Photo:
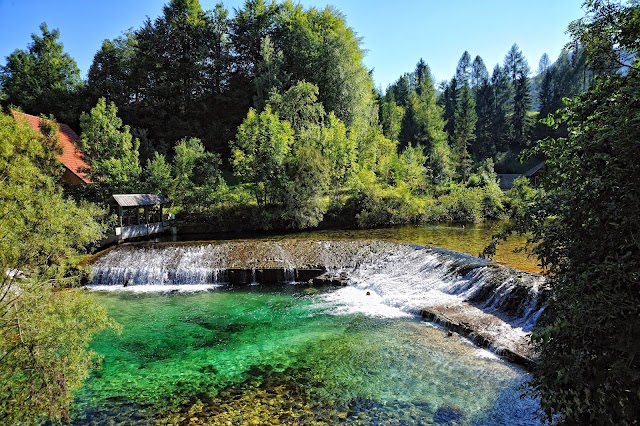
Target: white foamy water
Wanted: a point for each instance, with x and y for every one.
(501, 303)
(407, 282)
(404, 282)
(352, 300)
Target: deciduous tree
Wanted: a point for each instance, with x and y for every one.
(43, 79)
(44, 334)
(260, 151)
(110, 150)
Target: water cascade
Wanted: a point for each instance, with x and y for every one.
(494, 305)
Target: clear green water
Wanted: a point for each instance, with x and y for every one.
(279, 355)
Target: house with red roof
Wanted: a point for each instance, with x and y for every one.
(71, 155)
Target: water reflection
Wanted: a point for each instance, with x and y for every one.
(468, 238)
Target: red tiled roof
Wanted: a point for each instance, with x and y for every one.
(68, 140)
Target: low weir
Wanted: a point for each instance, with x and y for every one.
(493, 305)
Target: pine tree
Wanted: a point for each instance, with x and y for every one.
(479, 75)
(484, 145)
(545, 96)
(500, 101)
(520, 121)
(449, 101)
(421, 71)
(464, 132)
(515, 64)
(463, 70)
(422, 123)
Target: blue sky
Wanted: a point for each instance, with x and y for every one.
(395, 34)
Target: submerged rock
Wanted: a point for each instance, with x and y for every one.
(448, 414)
(329, 278)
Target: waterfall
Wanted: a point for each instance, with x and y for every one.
(168, 265)
(501, 304)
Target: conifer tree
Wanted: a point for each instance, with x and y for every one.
(501, 92)
(421, 71)
(515, 64)
(463, 70)
(422, 123)
(520, 121)
(464, 131)
(449, 101)
(484, 145)
(479, 75)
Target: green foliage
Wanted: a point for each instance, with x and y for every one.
(197, 176)
(391, 117)
(422, 121)
(500, 105)
(520, 119)
(270, 75)
(584, 231)
(462, 204)
(484, 144)
(110, 150)
(339, 149)
(259, 153)
(486, 173)
(112, 69)
(43, 79)
(409, 169)
(303, 204)
(195, 73)
(157, 174)
(608, 32)
(567, 77)
(383, 205)
(320, 48)
(299, 106)
(522, 197)
(440, 163)
(465, 119)
(44, 334)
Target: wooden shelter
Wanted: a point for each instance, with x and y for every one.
(139, 215)
(533, 174)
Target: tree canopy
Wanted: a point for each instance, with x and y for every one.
(44, 334)
(43, 79)
(584, 231)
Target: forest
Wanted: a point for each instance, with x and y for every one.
(267, 119)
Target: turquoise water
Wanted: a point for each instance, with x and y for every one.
(285, 355)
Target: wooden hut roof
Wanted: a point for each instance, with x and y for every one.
(71, 156)
(535, 169)
(137, 200)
